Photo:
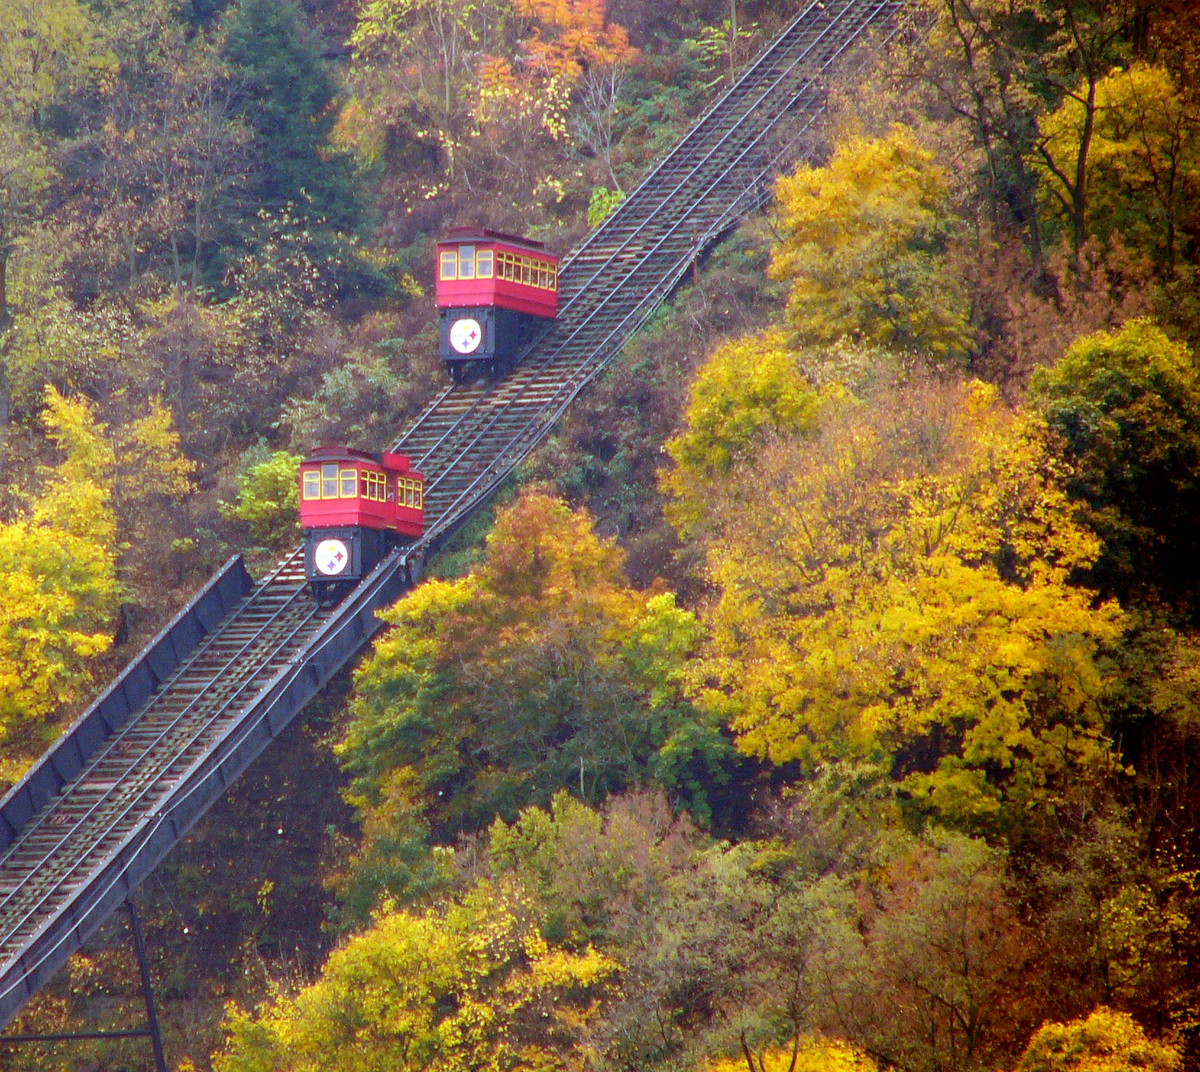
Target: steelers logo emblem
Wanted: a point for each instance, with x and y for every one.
(331, 557)
(466, 335)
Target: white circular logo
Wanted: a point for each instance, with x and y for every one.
(466, 335)
(331, 557)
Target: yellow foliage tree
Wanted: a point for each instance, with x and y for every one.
(861, 245)
(1105, 1041)
(900, 591)
(748, 391)
(58, 588)
(1142, 162)
(140, 464)
(472, 986)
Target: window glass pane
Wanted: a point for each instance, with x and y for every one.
(329, 481)
(466, 262)
(312, 484)
(349, 484)
(483, 264)
(449, 269)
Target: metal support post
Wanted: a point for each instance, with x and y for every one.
(160, 1061)
(151, 1031)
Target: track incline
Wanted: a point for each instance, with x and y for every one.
(473, 435)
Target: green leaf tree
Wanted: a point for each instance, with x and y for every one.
(542, 670)
(288, 98)
(1126, 406)
(268, 499)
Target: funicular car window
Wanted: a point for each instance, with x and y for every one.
(410, 492)
(466, 262)
(374, 486)
(329, 481)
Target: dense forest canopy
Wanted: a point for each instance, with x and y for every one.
(820, 696)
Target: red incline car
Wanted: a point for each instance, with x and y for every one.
(355, 507)
(495, 293)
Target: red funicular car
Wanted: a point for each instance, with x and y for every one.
(355, 507)
(495, 293)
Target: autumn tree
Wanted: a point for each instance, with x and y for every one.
(932, 972)
(747, 392)
(49, 51)
(901, 591)
(861, 242)
(141, 468)
(810, 1054)
(569, 37)
(1000, 67)
(541, 670)
(1142, 167)
(173, 152)
(733, 955)
(1104, 1041)
(414, 70)
(472, 984)
(1082, 43)
(58, 561)
(1126, 408)
(565, 80)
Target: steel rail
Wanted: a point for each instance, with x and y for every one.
(652, 182)
(122, 735)
(194, 793)
(138, 777)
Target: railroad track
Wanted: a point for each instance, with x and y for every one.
(72, 854)
(141, 764)
(472, 436)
